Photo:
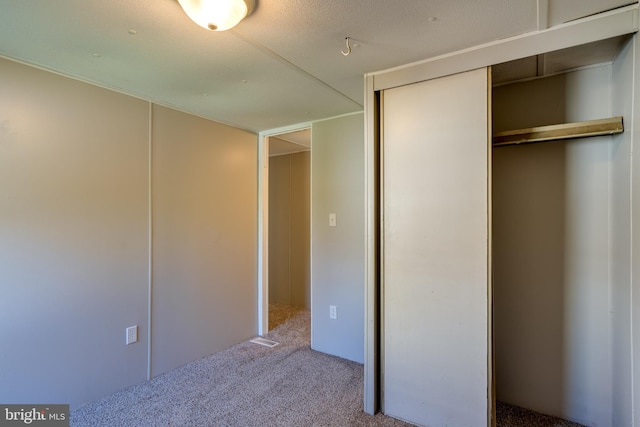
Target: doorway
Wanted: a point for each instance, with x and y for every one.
(285, 279)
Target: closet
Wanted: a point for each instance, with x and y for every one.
(505, 273)
(553, 229)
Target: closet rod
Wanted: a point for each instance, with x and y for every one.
(557, 132)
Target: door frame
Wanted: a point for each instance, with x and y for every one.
(263, 220)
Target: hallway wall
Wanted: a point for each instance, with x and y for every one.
(289, 233)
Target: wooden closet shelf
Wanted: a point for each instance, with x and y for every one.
(557, 132)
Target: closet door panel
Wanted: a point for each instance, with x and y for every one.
(435, 251)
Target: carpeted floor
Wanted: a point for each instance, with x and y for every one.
(514, 416)
(253, 385)
(246, 385)
(280, 313)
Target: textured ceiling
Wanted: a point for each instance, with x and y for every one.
(280, 66)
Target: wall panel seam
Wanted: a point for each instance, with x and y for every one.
(150, 237)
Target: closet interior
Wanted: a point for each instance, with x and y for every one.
(561, 229)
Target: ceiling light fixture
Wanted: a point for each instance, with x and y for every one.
(217, 15)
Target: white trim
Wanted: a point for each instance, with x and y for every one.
(286, 129)
(263, 235)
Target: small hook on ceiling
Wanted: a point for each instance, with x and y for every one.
(347, 39)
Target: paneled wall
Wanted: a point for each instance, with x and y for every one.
(75, 237)
(289, 232)
(204, 189)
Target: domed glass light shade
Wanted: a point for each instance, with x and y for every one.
(217, 15)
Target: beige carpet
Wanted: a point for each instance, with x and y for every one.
(253, 385)
(514, 416)
(280, 313)
(246, 385)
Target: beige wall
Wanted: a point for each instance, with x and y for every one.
(74, 237)
(289, 233)
(279, 229)
(204, 237)
(301, 229)
(551, 207)
(338, 253)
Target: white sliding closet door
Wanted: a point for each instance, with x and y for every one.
(435, 181)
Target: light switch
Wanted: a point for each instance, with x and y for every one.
(332, 220)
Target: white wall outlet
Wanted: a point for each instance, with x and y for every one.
(333, 312)
(132, 334)
(332, 220)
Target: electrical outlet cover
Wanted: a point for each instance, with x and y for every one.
(132, 334)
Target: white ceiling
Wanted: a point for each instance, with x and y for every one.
(280, 66)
